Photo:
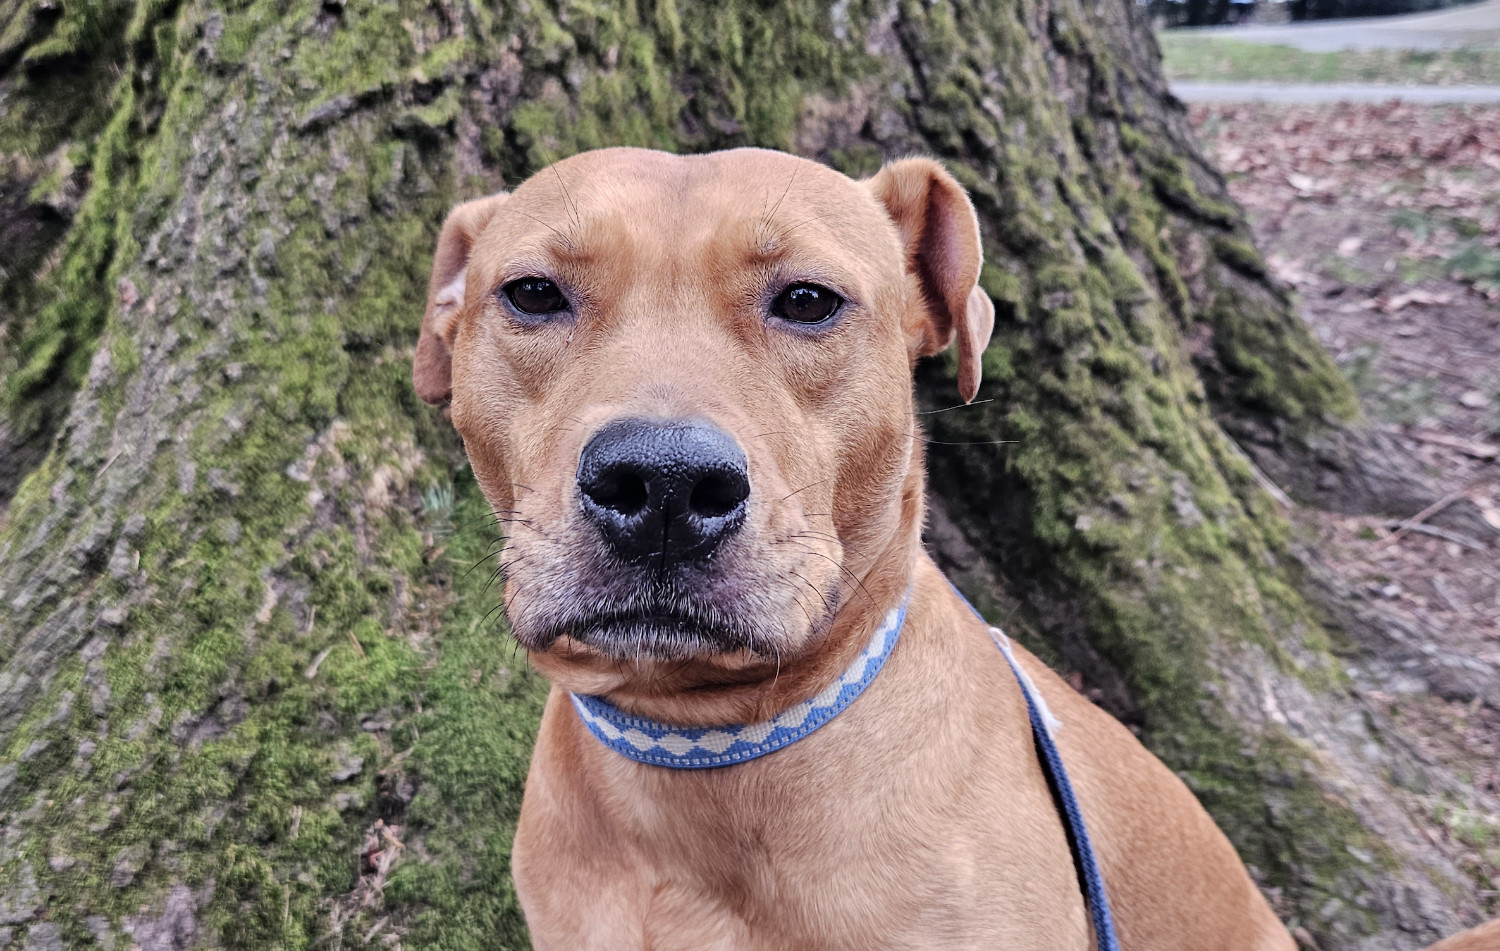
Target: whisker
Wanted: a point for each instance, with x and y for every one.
(814, 588)
(777, 676)
(567, 241)
(975, 442)
(813, 533)
(806, 487)
(810, 625)
(786, 191)
(567, 197)
(499, 606)
(933, 412)
(852, 576)
(489, 517)
(807, 222)
(481, 561)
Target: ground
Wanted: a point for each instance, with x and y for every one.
(1386, 220)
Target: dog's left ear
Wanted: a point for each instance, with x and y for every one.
(940, 231)
(432, 370)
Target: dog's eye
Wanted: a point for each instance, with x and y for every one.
(535, 295)
(806, 304)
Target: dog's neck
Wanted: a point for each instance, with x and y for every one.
(703, 695)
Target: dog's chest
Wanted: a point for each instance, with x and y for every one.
(857, 865)
(865, 834)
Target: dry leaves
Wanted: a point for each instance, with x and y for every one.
(1422, 161)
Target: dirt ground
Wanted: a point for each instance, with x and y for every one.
(1386, 219)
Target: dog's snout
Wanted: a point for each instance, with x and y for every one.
(663, 490)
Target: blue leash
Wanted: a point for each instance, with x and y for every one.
(1090, 877)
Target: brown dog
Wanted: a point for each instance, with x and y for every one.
(685, 383)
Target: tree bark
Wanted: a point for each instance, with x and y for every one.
(254, 689)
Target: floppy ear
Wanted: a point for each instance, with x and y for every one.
(941, 234)
(432, 370)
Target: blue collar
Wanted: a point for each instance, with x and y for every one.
(647, 741)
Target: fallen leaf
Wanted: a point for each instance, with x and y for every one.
(1419, 298)
(1292, 272)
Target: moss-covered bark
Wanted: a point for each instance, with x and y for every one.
(254, 692)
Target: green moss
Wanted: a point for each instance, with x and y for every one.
(1289, 377)
(1240, 255)
(61, 88)
(294, 653)
(51, 341)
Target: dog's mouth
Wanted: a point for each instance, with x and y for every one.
(659, 621)
(622, 617)
(659, 633)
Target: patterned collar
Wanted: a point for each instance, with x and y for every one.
(647, 741)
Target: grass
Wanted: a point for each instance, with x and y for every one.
(1213, 58)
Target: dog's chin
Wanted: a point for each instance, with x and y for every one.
(660, 636)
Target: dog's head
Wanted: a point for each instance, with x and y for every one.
(684, 384)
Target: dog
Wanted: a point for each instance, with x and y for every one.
(684, 384)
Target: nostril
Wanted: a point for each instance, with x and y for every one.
(622, 491)
(717, 494)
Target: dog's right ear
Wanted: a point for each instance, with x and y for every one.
(432, 370)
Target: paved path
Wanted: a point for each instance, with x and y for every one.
(1332, 92)
(1469, 27)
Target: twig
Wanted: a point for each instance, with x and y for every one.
(104, 468)
(1445, 535)
(357, 645)
(1477, 450)
(375, 930)
(1416, 520)
(312, 669)
(1437, 368)
(1441, 588)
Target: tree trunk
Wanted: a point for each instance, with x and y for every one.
(253, 689)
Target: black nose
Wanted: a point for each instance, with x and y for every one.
(665, 491)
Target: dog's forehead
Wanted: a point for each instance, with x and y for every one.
(654, 195)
